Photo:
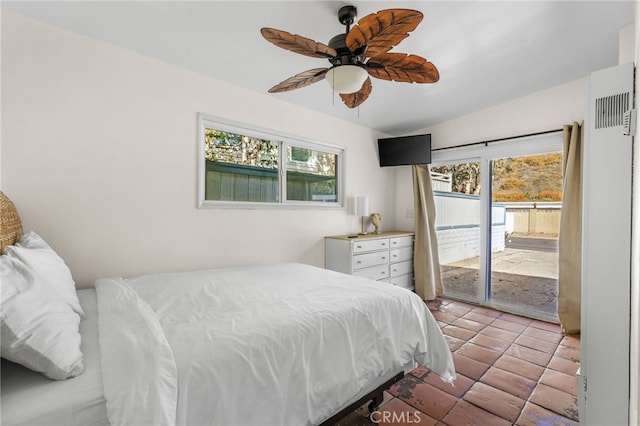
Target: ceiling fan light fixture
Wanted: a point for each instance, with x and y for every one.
(346, 78)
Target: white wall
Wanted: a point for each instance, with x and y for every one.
(634, 394)
(545, 110)
(99, 151)
(626, 42)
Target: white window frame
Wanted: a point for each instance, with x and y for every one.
(284, 141)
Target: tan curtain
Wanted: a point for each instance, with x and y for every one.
(426, 264)
(570, 240)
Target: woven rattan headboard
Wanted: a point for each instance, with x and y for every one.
(10, 225)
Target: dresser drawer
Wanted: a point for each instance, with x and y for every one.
(371, 256)
(401, 268)
(405, 281)
(370, 245)
(370, 259)
(403, 241)
(375, 272)
(401, 254)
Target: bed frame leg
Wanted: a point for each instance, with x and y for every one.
(375, 396)
(374, 405)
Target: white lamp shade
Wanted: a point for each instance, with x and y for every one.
(362, 206)
(346, 78)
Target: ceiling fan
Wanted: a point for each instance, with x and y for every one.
(362, 51)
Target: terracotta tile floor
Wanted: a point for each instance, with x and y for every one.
(511, 370)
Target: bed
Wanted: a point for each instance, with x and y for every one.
(263, 345)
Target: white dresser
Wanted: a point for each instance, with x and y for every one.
(384, 257)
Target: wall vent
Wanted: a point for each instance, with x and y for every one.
(610, 110)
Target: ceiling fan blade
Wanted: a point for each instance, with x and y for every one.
(301, 80)
(353, 100)
(383, 30)
(298, 44)
(402, 67)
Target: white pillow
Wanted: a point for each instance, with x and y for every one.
(48, 267)
(38, 328)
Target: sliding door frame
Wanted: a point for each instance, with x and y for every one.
(485, 154)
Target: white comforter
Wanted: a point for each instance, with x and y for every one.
(266, 345)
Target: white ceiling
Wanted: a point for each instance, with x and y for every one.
(487, 52)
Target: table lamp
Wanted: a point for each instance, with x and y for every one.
(362, 210)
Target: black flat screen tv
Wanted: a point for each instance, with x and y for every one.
(405, 150)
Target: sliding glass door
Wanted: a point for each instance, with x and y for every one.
(457, 188)
(498, 212)
(526, 193)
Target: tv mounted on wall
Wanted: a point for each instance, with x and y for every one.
(405, 150)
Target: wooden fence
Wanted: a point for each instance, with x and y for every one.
(458, 220)
(541, 218)
(234, 182)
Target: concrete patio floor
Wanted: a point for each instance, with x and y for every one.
(516, 261)
(520, 278)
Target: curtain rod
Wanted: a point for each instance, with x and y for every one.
(485, 143)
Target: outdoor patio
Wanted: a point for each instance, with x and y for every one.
(521, 278)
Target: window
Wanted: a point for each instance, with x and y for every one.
(253, 168)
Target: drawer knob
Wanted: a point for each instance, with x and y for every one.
(384, 258)
(359, 246)
(384, 244)
(359, 261)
